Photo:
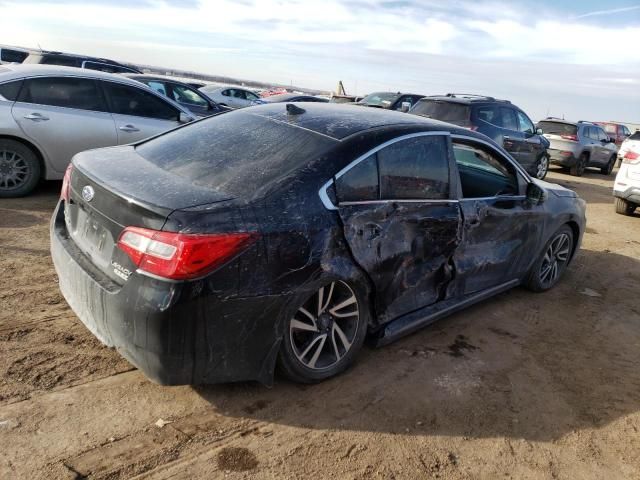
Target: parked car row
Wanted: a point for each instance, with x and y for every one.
(48, 114)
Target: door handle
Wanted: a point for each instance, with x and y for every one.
(36, 117)
(129, 128)
(506, 137)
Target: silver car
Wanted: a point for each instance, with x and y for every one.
(578, 145)
(48, 114)
(234, 97)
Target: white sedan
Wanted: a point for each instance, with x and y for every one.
(233, 97)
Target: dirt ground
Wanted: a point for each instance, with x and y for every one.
(522, 386)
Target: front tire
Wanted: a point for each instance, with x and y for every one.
(581, 164)
(19, 169)
(625, 207)
(608, 168)
(555, 257)
(323, 337)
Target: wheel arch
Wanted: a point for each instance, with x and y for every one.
(33, 148)
(575, 228)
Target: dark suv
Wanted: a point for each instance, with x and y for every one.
(78, 61)
(499, 120)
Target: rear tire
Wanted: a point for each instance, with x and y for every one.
(324, 335)
(553, 261)
(624, 207)
(542, 167)
(581, 164)
(19, 169)
(608, 168)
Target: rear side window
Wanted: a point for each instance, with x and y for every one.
(489, 114)
(413, 169)
(417, 168)
(558, 128)
(12, 56)
(128, 100)
(610, 128)
(9, 91)
(67, 92)
(451, 112)
(509, 119)
(360, 183)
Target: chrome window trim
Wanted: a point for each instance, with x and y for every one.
(324, 197)
(496, 197)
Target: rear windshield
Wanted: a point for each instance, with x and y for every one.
(380, 99)
(445, 111)
(237, 153)
(558, 128)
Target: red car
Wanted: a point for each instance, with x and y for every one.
(617, 131)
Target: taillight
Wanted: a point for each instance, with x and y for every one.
(66, 184)
(180, 256)
(573, 138)
(631, 157)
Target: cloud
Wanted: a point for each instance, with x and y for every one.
(611, 11)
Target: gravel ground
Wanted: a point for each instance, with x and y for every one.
(522, 386)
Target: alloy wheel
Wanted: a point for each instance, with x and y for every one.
(543, 166)
(14, 170)
(555, 258)
(323, 330)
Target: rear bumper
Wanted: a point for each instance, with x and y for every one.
(555, 158)
(176, 333)
(631, 194)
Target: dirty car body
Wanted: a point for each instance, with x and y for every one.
(328, 194)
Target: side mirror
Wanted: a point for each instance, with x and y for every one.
(539, 131)
(405, 107)
(535, 194)
(184, 118)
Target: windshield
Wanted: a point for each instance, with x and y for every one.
(238, 155)
(380, 99)
(558, 128)
(451, 112)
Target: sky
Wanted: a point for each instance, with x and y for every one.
(572, 59)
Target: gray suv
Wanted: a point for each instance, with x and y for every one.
(48, 114)
(578, 145)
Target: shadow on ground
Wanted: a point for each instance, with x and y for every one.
(522, 365)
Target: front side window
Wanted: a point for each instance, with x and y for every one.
(186, 95)
(509, 120)
(226, 93)
(412, 169)
(251, 96)
(68, 92)
(484, 174)
(601, 135)
(129, 100)
(524, 124)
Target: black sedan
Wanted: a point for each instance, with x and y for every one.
(285, 234)
(183, 93)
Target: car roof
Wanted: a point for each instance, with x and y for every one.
(339, 121)
(283, 97)
(465, 98)
(22, 70)
(160, 78)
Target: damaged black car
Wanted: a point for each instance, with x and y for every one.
(284, 235)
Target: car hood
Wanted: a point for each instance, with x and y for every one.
(555, 189)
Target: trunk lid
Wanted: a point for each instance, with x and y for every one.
(114, 188)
